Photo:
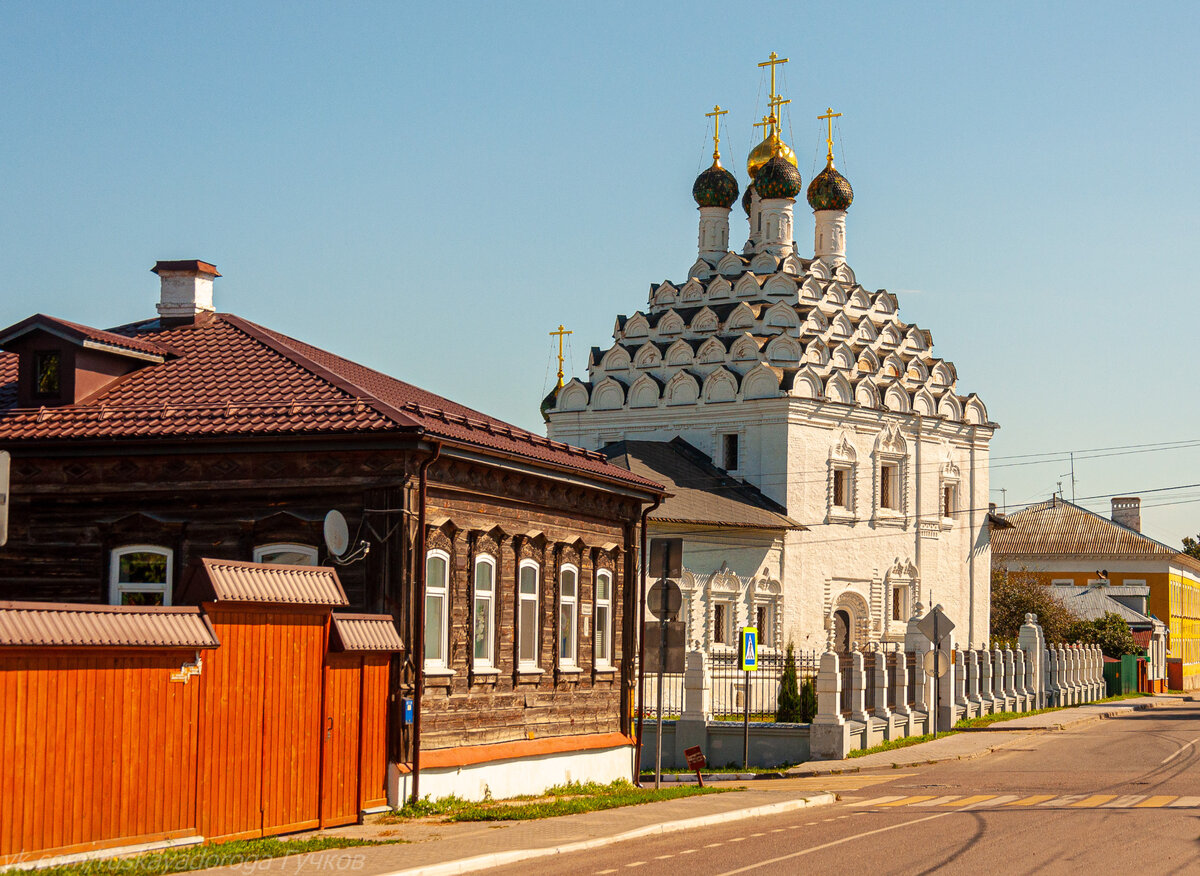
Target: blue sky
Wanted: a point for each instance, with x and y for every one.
(431, 188)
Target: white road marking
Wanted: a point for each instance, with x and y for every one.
(714, 845)
(737, 839)
(602, 872)
(1124, 801)
(1185, 801)
(664, 857)
(939, 801)
(1178, 751)
(879, 800)
(995, 801)
(1064, 801)
(778, 829)
(757, 834)
(837, 842)
(688, 851)
(636, 864)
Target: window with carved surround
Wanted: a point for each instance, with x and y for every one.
(841, 487)
(891, 478)
(948, 495)
(527, 615)
(437, 608)
(602, 640)
(568, 615)
(483, 635)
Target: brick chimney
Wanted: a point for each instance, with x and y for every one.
(187, 291)
(1127, 510)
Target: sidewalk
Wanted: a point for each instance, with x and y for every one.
(976, 743)
(434, 849)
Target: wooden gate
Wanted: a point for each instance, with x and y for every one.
(340, 739)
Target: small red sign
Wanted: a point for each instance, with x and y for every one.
(695, 758)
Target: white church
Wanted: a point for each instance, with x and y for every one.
(827, 474)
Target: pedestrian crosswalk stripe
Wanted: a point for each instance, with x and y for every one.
(1124, 801)
(1094, 800)
(939, 801)
(1002, 800)
(1032, 801)
(1155, 802)
(1066, 801)
(966, 801)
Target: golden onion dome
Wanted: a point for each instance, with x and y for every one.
(765, 151)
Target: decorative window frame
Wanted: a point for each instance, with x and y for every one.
(902, 577)
(602, 632)
(529, 664)
(568, 661)
(488, 662)
(308, 550)
(719, 443)
(891, 450)
(842, 458)
(950, 478)
(441, 589)
(724, 588)
(115, 588)
(768, 594)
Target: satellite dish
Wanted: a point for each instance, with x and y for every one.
(337, 534)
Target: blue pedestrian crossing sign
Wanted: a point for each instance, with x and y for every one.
(749, 649)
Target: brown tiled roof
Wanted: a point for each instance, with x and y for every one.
(80, 333)
(209, 580)
(1058, 528)
(231, 377)
(366, 632)
(698, 491)
(44, 624)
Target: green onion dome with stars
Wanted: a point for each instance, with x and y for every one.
(829, 190)
(716, 187)
(778, 179)
(748, 198)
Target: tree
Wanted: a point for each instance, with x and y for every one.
(789, 705)
(1110, 632)
(808, 700)
(1017, 593)
(1191, 546)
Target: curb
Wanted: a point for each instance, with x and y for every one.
(1081, 720)
(500, 859)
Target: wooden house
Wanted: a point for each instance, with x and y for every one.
(508, 561)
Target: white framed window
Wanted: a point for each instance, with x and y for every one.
(287, 554)
(437, 605)
(722, 623)
(602, 641)
(764, 622)
(841, 488)
(949, 498)
(483, 634)
(568, 615)
(889, 486)
(527, 614)
(141, 574)
(900, 610)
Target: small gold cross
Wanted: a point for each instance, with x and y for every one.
(560, 334)
(715, 115)
(828, 118)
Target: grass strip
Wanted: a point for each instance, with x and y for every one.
(569, 799)
(202, 857)
(893, 744)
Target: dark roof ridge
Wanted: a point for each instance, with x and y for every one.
(276, 342)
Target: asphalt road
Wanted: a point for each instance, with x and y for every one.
(1114, 796)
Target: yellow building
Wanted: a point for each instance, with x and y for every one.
(1061, 543)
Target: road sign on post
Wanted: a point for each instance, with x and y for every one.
(936, 626)
(696, 761)
(749, 649)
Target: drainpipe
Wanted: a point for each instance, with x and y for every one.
(643, 562)
(419, 621)
(971, 539)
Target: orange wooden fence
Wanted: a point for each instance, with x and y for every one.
(272, 732)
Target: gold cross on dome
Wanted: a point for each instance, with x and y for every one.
(828, 118)
(777, 104)
(715, 115)
(774, 61)
(764, 124)
(560, 334)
